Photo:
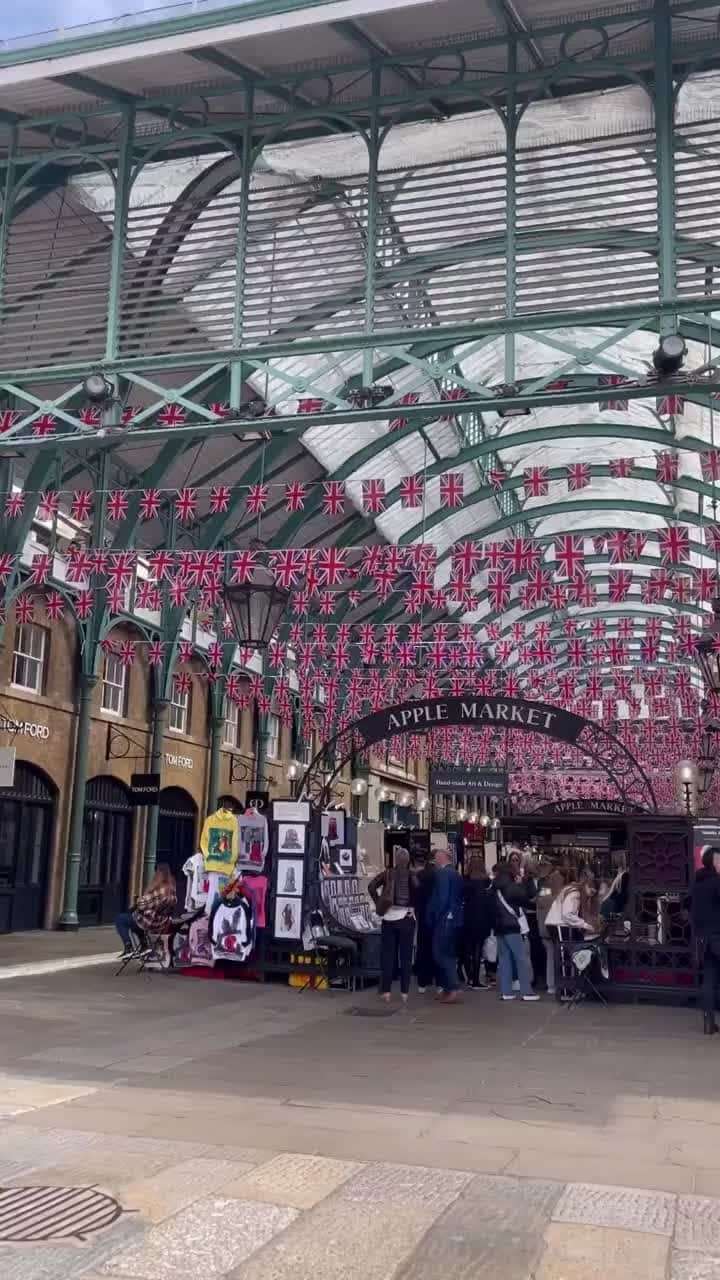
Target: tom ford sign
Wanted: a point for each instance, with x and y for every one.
(511, 713)
(468, 782)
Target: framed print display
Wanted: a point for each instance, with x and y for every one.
(291, 837)
(290, 877)
(346, 859)
(288, 918)
(291, 811)
(333, 827)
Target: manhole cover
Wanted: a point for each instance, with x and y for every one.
(355, 1012)
(54, 1213)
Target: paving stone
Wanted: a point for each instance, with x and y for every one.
(692, 1265)
(61, 1261)
(495, 1221)
(179, 1185)
(406, 1184)
(297, 1180)
(208, 1239)
(574, 1252)
(698, 1224)
(341, 1240)
(617, 1170)
(622, 1207)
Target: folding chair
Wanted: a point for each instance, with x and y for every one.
(581, 956)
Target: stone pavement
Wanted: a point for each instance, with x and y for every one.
(256, 1133)
(49, 951)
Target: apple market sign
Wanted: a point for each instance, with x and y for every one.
(603, 748)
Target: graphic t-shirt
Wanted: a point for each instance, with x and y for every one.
(219, 841)
(253, 840)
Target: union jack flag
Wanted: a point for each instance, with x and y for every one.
(120, 568)
(538, 586)
(452, 488)
(494, 554)
(14, 505)
(466, 559)
(183, 682)
(149, 504)
(333, 498)
(499, 588)
(613, 380)
(411, 491)
(41, 566)
(25, 608)
(203, 568)
(650, 648)
(90, 416)
(117, 504)
(331, 566)
(557, 597)
(288, 567)
(243, 566)
(160, 563)
(683, 589)
(117, 598)
(173, 415)
(453, 395)
(128, 413)
(666, 467)
(54, 605)
(148, 596)
(542, 653)
(625, 628)
(671, 404)
(219, 499)
(127, 653)
(674, 543)
(81, 505)
(84, 604)
(576, 651)
(535, 482)
(295, 495)
(185, 651)
(636, 545)
(354, 598)
(44, 425)
(621, 468)
(8, 418)
(620, 581)
(578, 474)
(257, 499)
(80, 564)
(215, 654)
(706, 582)
(522, 554)
(220, 409)
(177, 591)
(48, 505)
(311, 404)
(410, 397)
(710, 463)
(569, 555)
(618, 541)
(156, 653)
(185, 504)
(373, 496)
(497, 478)
(617, 652)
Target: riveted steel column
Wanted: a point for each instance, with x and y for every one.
(217, 727)
(7, 205)
(160, 716)
(117, 257)
(665, 159)
(511, 124)
(372, 224)
(236, 368)
(69, 918)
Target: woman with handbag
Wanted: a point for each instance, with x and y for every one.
(511, 928)
(394, 893)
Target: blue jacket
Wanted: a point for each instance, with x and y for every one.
(446, 899)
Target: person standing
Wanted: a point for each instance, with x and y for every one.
(706, 927)
(424, 964)
(394, 893)
(512, 895)
(477, 922)
(445, 917)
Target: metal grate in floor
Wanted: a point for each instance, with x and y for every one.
(54, 1213)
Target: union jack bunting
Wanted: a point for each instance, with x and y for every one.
(120, 568)
(288, 567)
(452, 488)
(410, 397)
(128, 413)
(453, 395)
(466, 559)
(44, 425)
(674, 544)
(8, 418)
(597, 628)
(127, 653)
(215, 654)
(311, 404)
(578, 474)
(557, 597)
(183, 682)
(173, 415)
(117, 505)
(613, 380)
(185, 650)
(411, 491)
(354, 598)
(48, 505)
(710, 463)
(618, 545)
(177, 591)
(621, 468)
(81, 505)
(25, 608)
(90, 415)
(147, 596)
(257, 499)
(331, 566)
(620, 581)
(84, 604)
(666, 467)
(333, 498)
(295, 495)
(499, 588)
(706, 583)
(373, 496)
(535, 482)
(522, 554)
(569, 555)
(636, 545)
(671, 404)
(160, 564)
(497, 477)
(185, 504)
(219, 499)
(54, 606)
(14, 505)
(149, 504)
(220, 409)
(40, 569)
(117, 598)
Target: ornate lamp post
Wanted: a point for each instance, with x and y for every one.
(256, 610)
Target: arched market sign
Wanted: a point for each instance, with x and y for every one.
(604, 749)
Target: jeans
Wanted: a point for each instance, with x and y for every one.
(512, 950)
(126, 927)
(472, 954)
(396, 945)
(711, 973)
(445, 953)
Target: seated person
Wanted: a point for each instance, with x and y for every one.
(152, 913)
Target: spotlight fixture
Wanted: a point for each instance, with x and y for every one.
(368, 397)
(97, 389)
(254, 408)
(669, 355)
(504, 391)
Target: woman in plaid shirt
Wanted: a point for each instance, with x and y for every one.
(152, 911)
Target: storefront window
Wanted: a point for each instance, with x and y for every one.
(114, 686)
(231, 733)
(179, 711)
(29, 657)
(273, 737)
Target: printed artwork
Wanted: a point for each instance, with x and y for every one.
(333, 827)
(291, 837)
(288, 918)
(290, 877)
(220, 840)
(346, 859)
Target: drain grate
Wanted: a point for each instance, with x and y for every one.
(54, 1213)
(358, 1012)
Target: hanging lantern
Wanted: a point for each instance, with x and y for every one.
(256, 608)
(708, 650)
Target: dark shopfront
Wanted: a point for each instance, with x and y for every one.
(27, 823)
(106, 851)
(650, 949)
(177, 829)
